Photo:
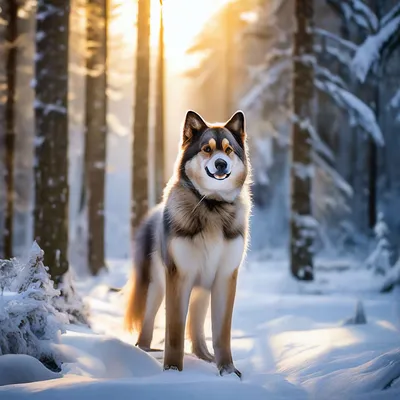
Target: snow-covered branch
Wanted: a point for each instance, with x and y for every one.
(362, 114)
(338, 180)
(371, 49)
(395, 100)
(337, 47)
(357, 11)
(265, 81)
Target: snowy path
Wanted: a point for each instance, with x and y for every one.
(287, 345)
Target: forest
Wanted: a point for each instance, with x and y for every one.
(93, 97)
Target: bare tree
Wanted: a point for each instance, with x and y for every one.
(10, 16)
(96, 129)
(302, 222)
(159, 128)
(51, 141)
(141, 116)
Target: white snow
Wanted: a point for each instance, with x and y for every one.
(304, 171)
(48, 108)
(379, 259)
(364, 15)
(395, 101)
(20, 368)
(289, 342)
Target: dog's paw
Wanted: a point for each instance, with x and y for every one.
(171, 367)
(229, 369)
(203, 354)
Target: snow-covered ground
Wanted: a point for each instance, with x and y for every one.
(290, 341)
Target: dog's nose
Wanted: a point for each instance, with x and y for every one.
(220, 164)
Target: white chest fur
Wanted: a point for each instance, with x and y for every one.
(205, 255)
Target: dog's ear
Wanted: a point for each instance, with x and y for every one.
(193, 125)
(237, 126)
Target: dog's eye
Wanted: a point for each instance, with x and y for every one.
(207, 149)
(228, 150)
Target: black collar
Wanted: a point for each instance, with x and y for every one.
(210, 203)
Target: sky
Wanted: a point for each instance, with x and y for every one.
(183, 19)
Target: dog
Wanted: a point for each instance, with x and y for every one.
(190, 247)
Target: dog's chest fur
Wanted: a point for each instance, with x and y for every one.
(204, 238)
(205, 255)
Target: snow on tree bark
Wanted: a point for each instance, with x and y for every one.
(96, 130)
(51, 141)
(11, 33)
(302, 223)
(141, 116)
(159, 128)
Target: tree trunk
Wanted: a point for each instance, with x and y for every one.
(11, 33)
(96, 130)
(141, 116)
(159, 126)
(3, 85)
(229, 53)
(51, 142)
(302, 222)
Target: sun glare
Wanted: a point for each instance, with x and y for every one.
(183, 20)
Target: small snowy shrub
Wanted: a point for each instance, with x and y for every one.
(70, 303)
(379, 260)
(29, 321)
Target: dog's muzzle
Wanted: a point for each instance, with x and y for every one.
(219, 166)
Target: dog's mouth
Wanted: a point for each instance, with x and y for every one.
(219, 176)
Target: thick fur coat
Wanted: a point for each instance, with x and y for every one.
(191, 246)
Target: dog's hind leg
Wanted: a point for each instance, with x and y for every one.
(155, 295)
(198, 307)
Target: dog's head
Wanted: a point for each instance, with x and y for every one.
(214, 156)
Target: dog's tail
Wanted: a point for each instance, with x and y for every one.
(138, 285)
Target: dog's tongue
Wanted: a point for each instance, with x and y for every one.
(220, 176)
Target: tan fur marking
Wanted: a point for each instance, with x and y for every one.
(198, 307)
(177, 300)
(137, 287)
(225, 144)
(213, 144)
(222, 343)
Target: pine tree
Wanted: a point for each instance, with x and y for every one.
(96, 130)
(141, 116)
(51, 142)
(10, 14)
(159, 128)
(302, 222)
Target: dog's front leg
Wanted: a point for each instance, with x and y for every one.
(178, 288)
(222, 300)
